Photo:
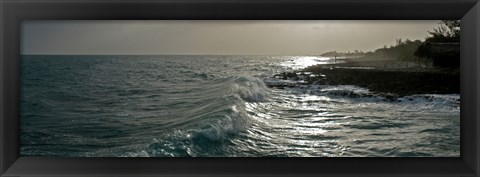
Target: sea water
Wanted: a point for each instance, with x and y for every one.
(176, 106)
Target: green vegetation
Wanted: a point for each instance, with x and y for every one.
(441, 48)
(448, 31)
(403, 50)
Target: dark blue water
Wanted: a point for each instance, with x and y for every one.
(156, 106)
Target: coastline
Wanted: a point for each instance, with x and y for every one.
(375, 76)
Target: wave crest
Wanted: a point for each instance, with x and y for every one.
(250, 89)
(207, 134)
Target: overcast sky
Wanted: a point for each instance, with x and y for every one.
(215, 37)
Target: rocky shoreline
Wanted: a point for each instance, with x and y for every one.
(391, 82)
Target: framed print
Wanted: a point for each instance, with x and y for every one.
(244, 88)
(247, 88)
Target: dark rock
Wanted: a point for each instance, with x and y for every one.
(391, 83)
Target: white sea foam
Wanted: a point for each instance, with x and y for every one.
(250, 89)
(440, 102)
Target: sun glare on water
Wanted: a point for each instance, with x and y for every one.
(301, 62)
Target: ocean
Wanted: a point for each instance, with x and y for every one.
(218, 106)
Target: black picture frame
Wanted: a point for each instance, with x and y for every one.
(13, 12)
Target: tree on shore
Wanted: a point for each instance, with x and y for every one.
(402, 50)
(445, 37)
(417, 51)
(448, 31)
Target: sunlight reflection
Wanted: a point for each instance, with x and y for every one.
(301, 62)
